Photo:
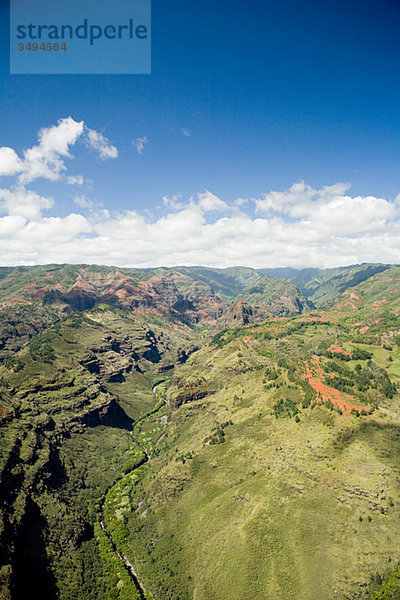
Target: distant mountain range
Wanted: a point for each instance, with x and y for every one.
(321, 286)
(31, 298)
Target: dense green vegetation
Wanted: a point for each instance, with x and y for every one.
(321, 286)
(277, 494)
(387, 588)
(264, 464)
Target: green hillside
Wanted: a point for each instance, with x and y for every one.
(321, 286)
(227, 283)
(150, 450)
(264, 486)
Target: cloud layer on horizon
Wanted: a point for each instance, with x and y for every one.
(298, 227)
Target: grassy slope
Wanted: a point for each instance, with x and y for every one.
(243, 282)
(284, 508)
(323, 285)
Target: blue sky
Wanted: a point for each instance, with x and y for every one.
(244, 99)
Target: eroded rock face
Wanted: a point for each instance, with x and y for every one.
(238, 314)
(203, 305)
(32, 470)
(187, 396)
(31, 299)
(241, 313)
(115, 356)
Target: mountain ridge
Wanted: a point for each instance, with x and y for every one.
(49, 292)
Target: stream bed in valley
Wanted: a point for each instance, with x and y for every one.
(121, 556)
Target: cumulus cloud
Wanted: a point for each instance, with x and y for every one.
(99, 143)
(10, 163)
(298, 194)
(314, 230)
(11, 225)
(25, 203)
(328, 209)
(209, 202)
(298, 227)
(139, 143)
(46, 159)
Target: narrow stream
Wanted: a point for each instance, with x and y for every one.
(128, 565)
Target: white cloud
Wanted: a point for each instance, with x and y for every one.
(62, 229)
(24, 203)
(329, 208)
(209, 202)
(313, 232)
(75, 180)
(139, 143)
(346, 214)
(11, 225)
(58, 138)
(174, 202)
(83, 202)
(46, 159)
(298, 227)
(10, 163)
(186, 132)
(240, 202)
(298, 193)
(101, 144)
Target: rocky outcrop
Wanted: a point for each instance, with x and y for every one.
(183, 355)
(239, 313)
(115, 356)
(187, 396)
(109, 414)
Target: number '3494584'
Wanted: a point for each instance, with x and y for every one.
(44, 47)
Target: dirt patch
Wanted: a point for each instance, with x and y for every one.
(338, 350)
(316, 378)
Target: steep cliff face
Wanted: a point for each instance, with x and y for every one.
(200, 304)
(67, 402)
(31, 299)
(239, 313)
(33, 475)
(242, 312)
